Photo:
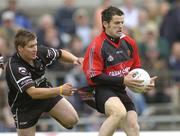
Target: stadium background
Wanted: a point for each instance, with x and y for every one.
(153, 23)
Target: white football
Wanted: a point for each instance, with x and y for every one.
(140, 74)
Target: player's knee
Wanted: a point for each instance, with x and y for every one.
(69, 127)
(73, 121)
(118, 113)
(133, 126)
(114, 108)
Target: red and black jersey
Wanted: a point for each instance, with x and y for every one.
(113, 59)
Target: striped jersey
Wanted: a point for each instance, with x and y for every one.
(20, 76)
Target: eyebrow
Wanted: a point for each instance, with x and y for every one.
(32, 44)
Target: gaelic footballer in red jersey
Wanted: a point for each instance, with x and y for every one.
(107, 63)
(113, 59)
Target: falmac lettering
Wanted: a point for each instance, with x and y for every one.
(120, 73)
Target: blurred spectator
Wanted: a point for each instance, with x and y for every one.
(141, 27)
(4, 51)
(45, 22)
(76, 76)
(64, 18)
(131, 14)
(6, 119)
(47, 32)
(76, 46)
(152, 8)
(97, 26)
(153, 42)
(174, 66)
(169, 28)
(174, 62)
(8, 28)
(21, 19)
(52, 39)
(83, 29)
(164, 8)
(154, 52)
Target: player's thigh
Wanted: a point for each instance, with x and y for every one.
(114, 106)
(27, 131)
(107, 101)
(64, 112)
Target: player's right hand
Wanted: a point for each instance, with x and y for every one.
(129, 81)
(67, 89)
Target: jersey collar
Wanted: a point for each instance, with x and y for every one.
(114, 41)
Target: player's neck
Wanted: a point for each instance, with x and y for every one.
(115, 40)
(26, 59)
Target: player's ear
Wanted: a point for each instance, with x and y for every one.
(105, 24)
(19, 48)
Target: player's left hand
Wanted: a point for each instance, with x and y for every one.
(78, 61)
(151, 85)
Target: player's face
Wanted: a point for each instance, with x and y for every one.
(115, 26)
(29, 51)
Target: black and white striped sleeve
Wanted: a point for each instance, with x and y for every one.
(50, 55)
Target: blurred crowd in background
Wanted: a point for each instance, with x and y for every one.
(154, 24)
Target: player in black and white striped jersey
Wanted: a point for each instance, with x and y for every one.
(30, 92)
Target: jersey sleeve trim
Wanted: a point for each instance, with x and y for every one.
(54, 57)
(93, 71)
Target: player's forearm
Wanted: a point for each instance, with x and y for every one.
(68, 57)
(43, 93)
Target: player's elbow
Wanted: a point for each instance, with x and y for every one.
(35, 96)
(33, 93)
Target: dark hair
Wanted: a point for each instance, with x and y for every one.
(22, 38)
(109, 12)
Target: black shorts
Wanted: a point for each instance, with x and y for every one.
(103, 93)
(29, 117)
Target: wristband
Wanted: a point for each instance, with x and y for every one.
(61, 90)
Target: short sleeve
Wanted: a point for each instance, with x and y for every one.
(49, 55)
(22, 78)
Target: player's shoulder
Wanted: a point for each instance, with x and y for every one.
(128, 39)
(97, 41)
(42, 51)
(15, 65)
(15, 60)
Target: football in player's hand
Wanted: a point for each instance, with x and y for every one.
(140, 74)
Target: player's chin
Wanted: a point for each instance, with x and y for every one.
(33, 57)
(118, 34)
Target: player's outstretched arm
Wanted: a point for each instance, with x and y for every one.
(43, 93)
(70, 58)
